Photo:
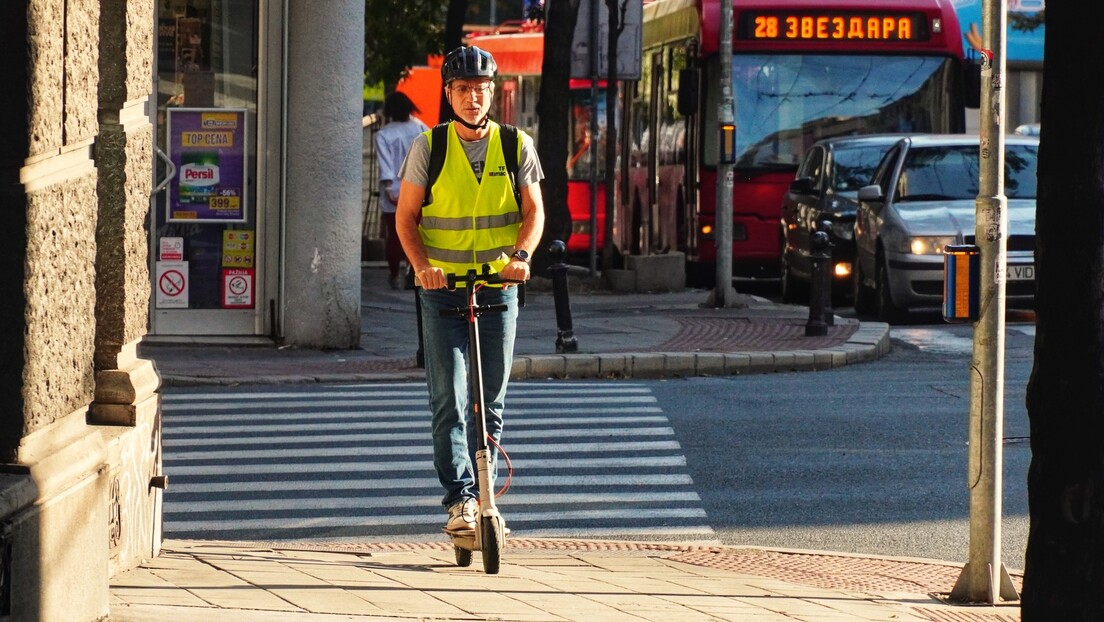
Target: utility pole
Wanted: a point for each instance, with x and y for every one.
(723, 294)
(984, 577)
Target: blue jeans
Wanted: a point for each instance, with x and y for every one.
(445, 344)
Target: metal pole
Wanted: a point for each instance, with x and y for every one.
(984, 577)
(723, 294)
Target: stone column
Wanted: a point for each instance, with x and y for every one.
(78, 427)
(322, 259)
(54, 533)
(126, 396)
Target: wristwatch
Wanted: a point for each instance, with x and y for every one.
(521, 254)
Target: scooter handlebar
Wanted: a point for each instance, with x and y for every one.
(453, 280)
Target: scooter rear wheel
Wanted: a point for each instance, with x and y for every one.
(491, 546)
(463, 556)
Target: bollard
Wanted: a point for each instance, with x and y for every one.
(821, 257)
(826, 275)
(565, 334)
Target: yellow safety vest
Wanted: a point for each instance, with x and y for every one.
(470, 222)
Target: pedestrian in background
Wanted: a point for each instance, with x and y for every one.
(472, 218)
(392, 144)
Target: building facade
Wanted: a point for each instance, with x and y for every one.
(255, 222)
(103, 237)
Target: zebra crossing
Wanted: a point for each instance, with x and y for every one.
(355, 462)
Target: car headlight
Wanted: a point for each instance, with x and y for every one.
(930, 245)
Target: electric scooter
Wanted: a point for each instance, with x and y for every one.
(489, 535)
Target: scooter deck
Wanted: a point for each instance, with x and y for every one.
(466, 533)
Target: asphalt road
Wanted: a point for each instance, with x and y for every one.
(868, 458)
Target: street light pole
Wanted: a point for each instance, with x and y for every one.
(984, 577)
(723, 294)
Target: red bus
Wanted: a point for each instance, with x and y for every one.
(520, 57)
(801, 70)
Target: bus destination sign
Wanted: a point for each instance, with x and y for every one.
(832, 26)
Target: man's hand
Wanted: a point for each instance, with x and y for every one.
(516, 270)
(431, 278)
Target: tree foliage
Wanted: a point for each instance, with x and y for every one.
(398, 34)
(1064, 565)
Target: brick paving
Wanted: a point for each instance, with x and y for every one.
(716, 334)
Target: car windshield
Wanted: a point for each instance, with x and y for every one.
(852, 167)
(933, 173)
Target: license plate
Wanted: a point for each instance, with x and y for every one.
(1021, 273)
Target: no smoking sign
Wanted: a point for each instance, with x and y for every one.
(171, 285)
(237, 288)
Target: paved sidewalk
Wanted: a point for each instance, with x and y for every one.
(618, 335)
(540, 580)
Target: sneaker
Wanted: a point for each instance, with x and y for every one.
(394, 282)
(462, 515)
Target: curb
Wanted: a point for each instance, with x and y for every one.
(869, 342)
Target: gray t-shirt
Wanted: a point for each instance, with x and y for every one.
(415, 168)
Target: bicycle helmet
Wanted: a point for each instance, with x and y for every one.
(468, 62)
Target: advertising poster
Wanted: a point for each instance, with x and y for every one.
(207, 146)
(1024, 36)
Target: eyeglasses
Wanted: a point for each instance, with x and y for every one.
(480, 90)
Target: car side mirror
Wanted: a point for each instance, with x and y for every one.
(803, 185)
(871, 193)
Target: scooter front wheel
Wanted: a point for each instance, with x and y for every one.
(463, 556)
(491, 547)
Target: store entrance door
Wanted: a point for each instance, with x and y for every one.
(206, 239)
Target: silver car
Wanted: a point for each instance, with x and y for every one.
(922, 197)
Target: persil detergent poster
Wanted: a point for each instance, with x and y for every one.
(207, 147)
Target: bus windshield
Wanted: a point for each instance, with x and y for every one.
(786, 102)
